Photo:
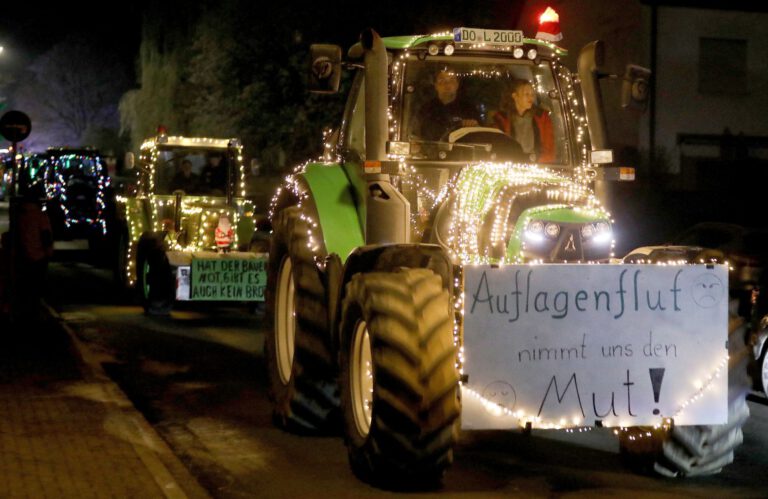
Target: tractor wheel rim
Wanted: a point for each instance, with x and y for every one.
(285, 323)
(361, 376)
(764, 373)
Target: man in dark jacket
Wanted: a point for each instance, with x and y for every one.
(214, 175)
(446, 112)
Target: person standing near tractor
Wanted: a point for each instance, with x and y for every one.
(34, 248)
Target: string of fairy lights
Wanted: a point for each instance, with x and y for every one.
(665, 421)
(199, 214)
(491, 189)
(292, 185)
(59, 170)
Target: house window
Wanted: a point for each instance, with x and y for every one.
(723, 66)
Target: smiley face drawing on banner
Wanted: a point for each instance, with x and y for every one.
(501, 393)
(707, 290)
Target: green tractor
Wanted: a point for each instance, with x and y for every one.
(372, 243)
(186, 230)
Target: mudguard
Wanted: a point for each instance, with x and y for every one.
(340, 217)
(337, 209)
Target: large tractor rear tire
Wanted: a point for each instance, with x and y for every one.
(120, 260)
(761, 371)
(697, 450)
(302, 374)
(399, 381)
(155, 279)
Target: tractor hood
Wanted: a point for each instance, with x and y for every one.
(508, 212)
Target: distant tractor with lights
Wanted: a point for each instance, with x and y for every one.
(78, 195)
(409, 270)
(186, 231)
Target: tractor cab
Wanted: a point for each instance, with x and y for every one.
(188, 212)
(473, 120)
(77, 190)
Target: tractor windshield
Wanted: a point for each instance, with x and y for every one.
(197, 172)
(512, 105)
(78, 165)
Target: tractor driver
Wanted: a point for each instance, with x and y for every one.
(214, 174)
(447, 111)
(184, 179)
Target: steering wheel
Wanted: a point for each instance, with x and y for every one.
(502, 145)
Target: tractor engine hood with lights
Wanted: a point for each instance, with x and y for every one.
(186, 232)
(448, 264)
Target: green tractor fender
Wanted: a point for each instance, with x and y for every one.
(328, 197)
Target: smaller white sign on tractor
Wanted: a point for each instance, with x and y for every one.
(582, 345)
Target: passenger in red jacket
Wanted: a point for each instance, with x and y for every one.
(525, 122)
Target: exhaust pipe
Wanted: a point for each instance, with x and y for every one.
(376, 96)
(590, 61)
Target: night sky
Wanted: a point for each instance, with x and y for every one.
(27, 29)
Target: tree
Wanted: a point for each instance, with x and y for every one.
(158, 101)
(69, 90)
(237, 68)
(163, 94)
(214, 94)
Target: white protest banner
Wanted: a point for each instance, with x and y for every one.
(577, 345)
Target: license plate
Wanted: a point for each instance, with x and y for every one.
(226, 279)
(488, 36)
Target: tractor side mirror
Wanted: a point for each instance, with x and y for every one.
(325, 68)
(130, 161)
(634, 89)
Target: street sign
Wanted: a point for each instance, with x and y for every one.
(15, 126)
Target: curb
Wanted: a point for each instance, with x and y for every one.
(149, 446)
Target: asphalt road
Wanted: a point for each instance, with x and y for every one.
(198, 377)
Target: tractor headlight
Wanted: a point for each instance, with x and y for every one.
(535, 231)
(552, 230)
(598, 233)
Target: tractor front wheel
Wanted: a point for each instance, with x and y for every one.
(703, 449)
(399, 382)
